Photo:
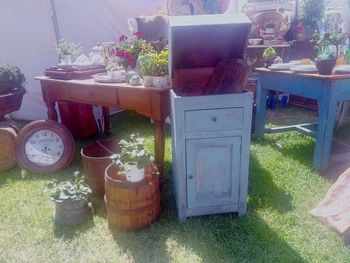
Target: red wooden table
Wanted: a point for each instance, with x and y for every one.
(151, 102)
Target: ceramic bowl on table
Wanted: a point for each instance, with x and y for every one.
(254, 41)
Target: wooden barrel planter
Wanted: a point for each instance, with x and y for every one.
(131, 206)
(8, 135)
(95, 159)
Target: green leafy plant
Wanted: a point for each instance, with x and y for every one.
(311, 12)
(160, 63)
(11, 79)
(66, 47)
(133, 152)
(146, 64)
(269, 54)
(323, 41)
(72, 189)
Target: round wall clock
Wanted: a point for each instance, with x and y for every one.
(44, 146)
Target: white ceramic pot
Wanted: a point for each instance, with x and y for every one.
(134, 174)
(66, 59)
(159, 82)
(147, 81)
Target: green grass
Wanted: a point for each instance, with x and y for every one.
(277, 228)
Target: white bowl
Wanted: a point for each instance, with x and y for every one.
(254, 41)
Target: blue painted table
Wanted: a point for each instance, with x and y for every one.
(327, 90)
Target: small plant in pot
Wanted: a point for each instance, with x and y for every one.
(326, 60)
(66, 50)
(71, 200)
(160, 69)
(133, 159)
(145, 65)
(269, 55)
(114, 69)
(12, 89)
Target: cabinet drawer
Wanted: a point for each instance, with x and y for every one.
(214, 119)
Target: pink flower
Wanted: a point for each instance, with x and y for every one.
(123, 38)
(138, 35)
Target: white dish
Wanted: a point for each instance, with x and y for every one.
(65, 66)
(281, 66)
(254, 41)
(104, 78)
(342, 69)
(304, 69)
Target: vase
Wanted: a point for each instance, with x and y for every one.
(148, 81)
(160, 81)
(66, 59)
(325, 66)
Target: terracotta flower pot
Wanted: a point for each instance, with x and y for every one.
(11, 102)
(325, 67)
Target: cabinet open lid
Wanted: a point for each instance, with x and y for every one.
(203, 40)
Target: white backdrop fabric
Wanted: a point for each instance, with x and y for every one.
(28, 36)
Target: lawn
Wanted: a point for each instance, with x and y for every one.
(277, 228)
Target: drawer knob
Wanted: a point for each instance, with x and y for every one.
(190, 177)
(214, 119)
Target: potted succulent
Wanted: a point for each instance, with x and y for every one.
(66, 50)
(12, 89)
(270, 27)
(268, 55)
(145, 65)
(71, 200)
(133, 159)
(325, 59)
(160, 69)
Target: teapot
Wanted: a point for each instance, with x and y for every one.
(96, 55)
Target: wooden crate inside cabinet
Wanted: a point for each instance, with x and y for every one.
(210, 133)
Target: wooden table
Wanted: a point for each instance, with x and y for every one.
(327, 90)
(151, 102)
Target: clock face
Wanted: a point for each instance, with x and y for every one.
(44, 147)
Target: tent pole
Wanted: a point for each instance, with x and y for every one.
(54, 20)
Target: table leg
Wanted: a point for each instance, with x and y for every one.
(107, 122)
(159, 144)
(51, 111)
(326, 118)
(260, 116)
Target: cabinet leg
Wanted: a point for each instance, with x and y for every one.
(107, 122)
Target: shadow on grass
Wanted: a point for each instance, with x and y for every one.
(299, 150)
(70, 232)
(263, 192)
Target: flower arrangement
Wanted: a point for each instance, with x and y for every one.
(66, 47)
(70, 189)
(129, 49)
(269, 54)
(323, 41)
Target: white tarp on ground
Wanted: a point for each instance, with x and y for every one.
(28, 35)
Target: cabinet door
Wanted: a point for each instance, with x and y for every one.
(213, 168)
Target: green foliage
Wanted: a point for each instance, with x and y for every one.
(133, 152)
(11, 78)
(311, 12)
(269, 54)
(161, 63)
(145, 64)
(66, 47)
(70, 189)
(323, 41)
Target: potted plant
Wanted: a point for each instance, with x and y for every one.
(325, 59)
(71, 200)
(12, 89)
(160, 69)
(133, 159)
(114, 70)
(312, 12)
(268, 55)
(270, 27)
(145, 65)
(66, 50)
